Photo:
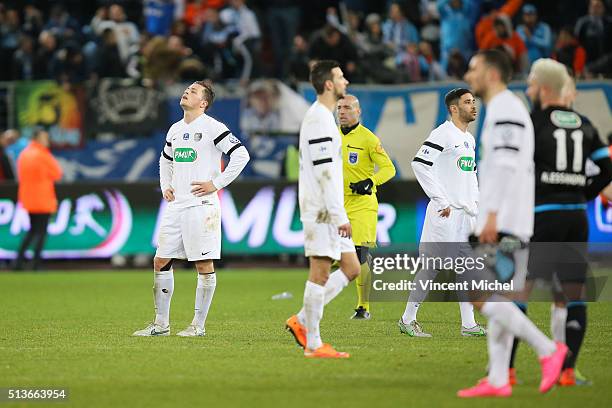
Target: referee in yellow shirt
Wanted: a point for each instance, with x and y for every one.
(361, 151)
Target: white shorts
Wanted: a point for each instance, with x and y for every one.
(192, 233)
(446, 236)
(457, 227)
(323, 240)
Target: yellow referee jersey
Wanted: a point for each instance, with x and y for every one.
(361, 152)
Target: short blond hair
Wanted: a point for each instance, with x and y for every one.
(568, 93)
(550, 73)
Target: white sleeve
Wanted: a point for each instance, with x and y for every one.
(238, 155)
(166, 165)
(506, 142)
(321, 151)
(423, 167)
(475, 189)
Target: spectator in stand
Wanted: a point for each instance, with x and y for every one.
(45, 60)
(158, 16)
(249, 36)
(160, 63)
(37, 172)
(299, 69)
(457, 28)
(431, 69)
(457, 66)
(7, 138)
(283, 22)
(397, 30)
(535, 34)
(190, 68)
(100, 17)
(485, 25)
(329, 43)
(569, 52)
(195, 10)
(70, 67)
(594, 32)
(23, 60)
(504, 37)
(375, 52)
(126, 32)
(181, 29)
(215, 40)
(108, 61)
(33, 21)
(408, 64)
(65, 28)
(9, 39)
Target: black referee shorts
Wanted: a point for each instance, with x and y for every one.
(558, 246)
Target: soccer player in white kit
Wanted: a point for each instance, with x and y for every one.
(327, 230)
(507, 187)
(445, 168)
(190, 228)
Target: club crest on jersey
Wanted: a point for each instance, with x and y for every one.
(197, 137)
(466, 163)
(353, 157)
(185, 136)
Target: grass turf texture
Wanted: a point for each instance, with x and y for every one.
(74, 329)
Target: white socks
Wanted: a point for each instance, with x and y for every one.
(499, 342)
(508, 315)
(558, 317)
(334, 285)
(203, 297)
(163, 286)
(467, 315)
(314, 301)
(466, 309)
(410, 313)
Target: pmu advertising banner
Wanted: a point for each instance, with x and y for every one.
(96, 220)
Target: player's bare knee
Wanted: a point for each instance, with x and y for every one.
(162, 264)
(352, 271)
(206, 266)
(350, 265)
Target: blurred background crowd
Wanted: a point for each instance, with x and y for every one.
(382, 41)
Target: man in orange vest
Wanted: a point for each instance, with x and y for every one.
(37, 171)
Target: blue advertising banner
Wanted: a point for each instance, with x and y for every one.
(403, 116)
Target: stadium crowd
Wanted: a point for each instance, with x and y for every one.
(376, 42)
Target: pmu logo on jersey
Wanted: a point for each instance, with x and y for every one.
(466, 163)
(185, 155)
(353, 157)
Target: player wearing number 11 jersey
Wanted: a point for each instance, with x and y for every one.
(564, 141)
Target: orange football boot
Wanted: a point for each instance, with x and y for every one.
(298, 330)
(325, 351)
(512, 376)
(568, 378)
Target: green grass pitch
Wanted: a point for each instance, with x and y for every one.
(73, 330)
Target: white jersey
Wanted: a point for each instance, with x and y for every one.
(320, 184)
(193, 153)
(445, 167)
(506, 167)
